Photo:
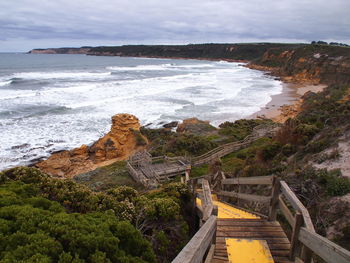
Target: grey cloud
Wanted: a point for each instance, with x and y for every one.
(183, 21)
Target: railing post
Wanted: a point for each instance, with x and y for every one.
(294, 239)
(274, 199)
(306, 254)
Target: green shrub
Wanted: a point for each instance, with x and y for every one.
(334, 183)
(269, 151)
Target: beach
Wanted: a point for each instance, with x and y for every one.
(287, 104)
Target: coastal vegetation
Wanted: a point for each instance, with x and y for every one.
(52, 220)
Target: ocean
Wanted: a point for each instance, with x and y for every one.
(56, 102)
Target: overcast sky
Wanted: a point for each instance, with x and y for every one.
(27, 24)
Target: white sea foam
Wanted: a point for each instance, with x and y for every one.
(61, 75)
(74, 107)
(5, 83)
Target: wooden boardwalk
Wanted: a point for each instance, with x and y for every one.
(234, 223)
(253, 229)
(229, 233)
(150, 171)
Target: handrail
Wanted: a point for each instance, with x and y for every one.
(297, 205)
(197, 247)
(321, 246)
(268, 180)
(303, 241)
(207, 204)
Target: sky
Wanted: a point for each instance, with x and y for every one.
(28, 24)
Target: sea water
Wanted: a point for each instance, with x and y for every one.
(55, 102)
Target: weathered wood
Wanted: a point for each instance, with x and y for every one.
(264, 180)
(207, 200)
(270, 240)
(285, 211)
(196, 248)
(274, 199)
(306, 254)
(278, 234)
(321, 246)
(210, 254)
(248, 197)
(247, 223)
(295, 202)
(295, 233)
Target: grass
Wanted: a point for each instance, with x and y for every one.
(199, 170)
(107, 177)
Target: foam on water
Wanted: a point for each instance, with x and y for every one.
(74, 107)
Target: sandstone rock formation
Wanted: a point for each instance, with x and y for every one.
(118, 144)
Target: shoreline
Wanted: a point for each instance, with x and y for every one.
(288, 103)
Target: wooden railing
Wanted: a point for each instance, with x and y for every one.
(201, 247)
(261, 180)
(303, 239)
(196, 249)
(258, 132)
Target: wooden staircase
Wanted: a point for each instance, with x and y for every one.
(254, 229)
(229, 233)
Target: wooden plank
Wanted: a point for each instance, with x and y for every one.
(248, 197)
(246, 223)
(270, 240)
(250, 234)
(248, 250)
(321, 246)
(277, 246)
(249, 228)
(265, 180)
(295, 202)
(285, 211)
(196, 248)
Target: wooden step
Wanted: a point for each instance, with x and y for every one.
(248, 251)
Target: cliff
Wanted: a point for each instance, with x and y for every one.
(302, 63)
(308, 64)
(122, 141)
(64, 50)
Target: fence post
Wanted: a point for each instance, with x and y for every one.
(294, 242)
(306, 254)
(274, 199)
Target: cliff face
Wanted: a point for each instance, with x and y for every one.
(82, 50)
(311, 64)
(118, 144)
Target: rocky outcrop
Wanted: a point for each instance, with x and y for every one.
(195, 126)
(118, 144)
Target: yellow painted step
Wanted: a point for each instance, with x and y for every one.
(227, 211)
(248, 251)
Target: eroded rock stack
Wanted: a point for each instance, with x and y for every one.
(116, 145)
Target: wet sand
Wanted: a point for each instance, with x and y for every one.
(286, 104)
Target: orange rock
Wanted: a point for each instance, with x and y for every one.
(116, 145)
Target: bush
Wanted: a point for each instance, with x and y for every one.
(334, 183)
(240, 129)
(270, 150)
(36, 229)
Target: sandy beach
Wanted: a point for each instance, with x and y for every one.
(287, 104)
